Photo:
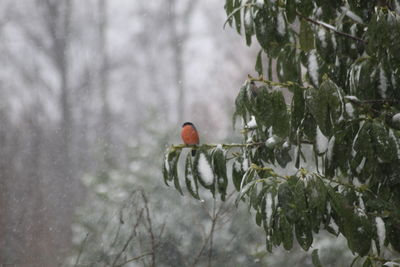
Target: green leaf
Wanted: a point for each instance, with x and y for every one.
(280, 117)
(237, 172)
(291, 10)
(288, 65)
(247, 184)
(248, 23)
(385, 146)
(229, 6)
(259, 66)
(190, 179)
(170, 171)
(286, 200)
(303, 232)
(305, 7)
(324, 105)
(264, 28)
(237, 15)
(175, 172)
(315, 258)
(306, 37)
(165, 170)
(219, 166)
(287, 232)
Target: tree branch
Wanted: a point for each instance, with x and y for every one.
(331, 28)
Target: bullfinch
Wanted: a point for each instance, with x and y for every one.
(189, 135)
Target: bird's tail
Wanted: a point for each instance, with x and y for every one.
(194, 152)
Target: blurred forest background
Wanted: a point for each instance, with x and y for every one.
(91, 92)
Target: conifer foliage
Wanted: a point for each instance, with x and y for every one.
(340, 60)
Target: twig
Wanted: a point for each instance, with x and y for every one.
(80, 250)
(330, 27)
(129, 239)
(272, 83)
(181, 146)
(215, 216)
(152, 238)
(134, 259)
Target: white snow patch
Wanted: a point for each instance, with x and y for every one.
(206, 173)
(397, 6)
(337, 62)
(352, 98)
(360, 167)
(286, 144)
(334, 226)
(248, 20)
(272, 141)
(349, 109)
(252, 123)
(260, 3)
(334, 41)
(381, 231)
(382, 82)
(357, 182)
(361, 206)
(322, 141)
(313, 67)
(281, 24)
(352, 15)
(391, 263)
(396, 119)
(245, 164)
(268, 208)
(322, 37)
(326, 25)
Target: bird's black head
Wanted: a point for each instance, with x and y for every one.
(187, 123)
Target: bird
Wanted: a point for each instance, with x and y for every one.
(190, 135)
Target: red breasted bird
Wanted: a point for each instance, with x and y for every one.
(189, 135)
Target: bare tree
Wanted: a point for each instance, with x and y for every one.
(179, 27)
(106, 120)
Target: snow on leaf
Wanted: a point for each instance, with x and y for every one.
(352, 15)
(206, 173)
(349, 110)
(381, 231)
(322, 37)
(271, 142)
(252, 123)
(281, 24)
(356, 182)
(360, 167)
(268, 208)
(313, 67)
